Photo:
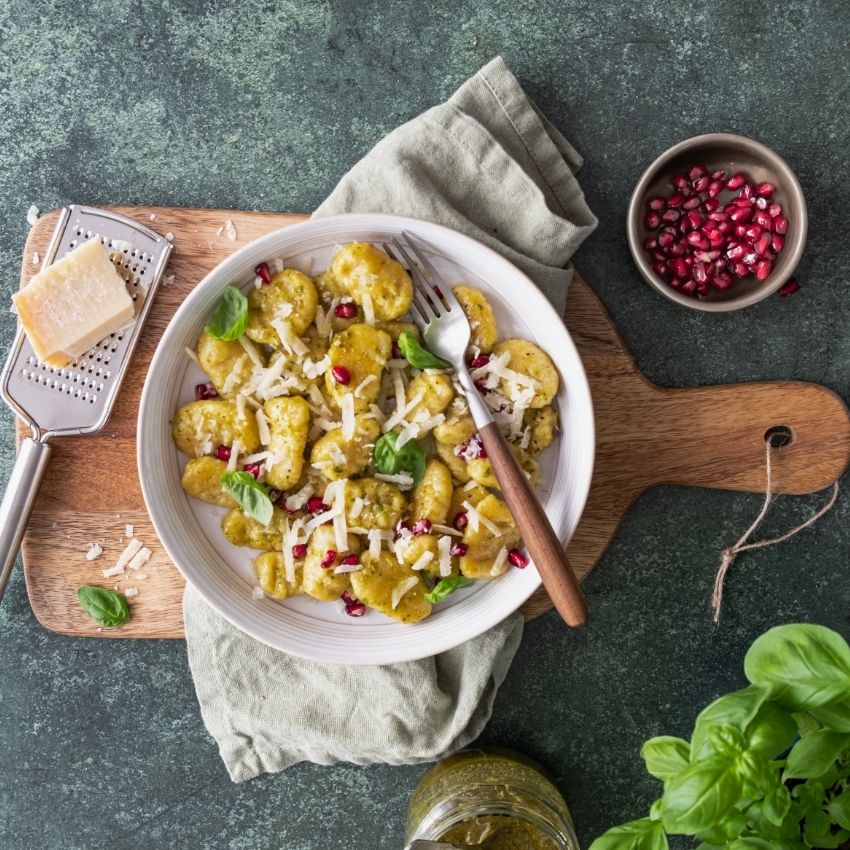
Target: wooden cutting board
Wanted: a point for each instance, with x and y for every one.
(646, 435)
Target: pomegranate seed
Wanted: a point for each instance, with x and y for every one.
(748, 190)
(695, 218)
(722, 280)
(741, 214)
(716, 238)
(715, 188)
(223, 452)
(517, 559)
(689, 287)
(679, 268)
(705, 256)
(778, 242)
(345, 311)
(253, 468)
(341, 375)
(675, 200)
(789, 287)
(752, 232)
(347, 598)
(665, 238)
(461, 520)
(315, 505)
(401, 525)
(699, 272)
(262, 272)
(763, 220)
(763, 243)
(765, 190)
(750, 259)
(678, 250)
(763, 269)
(774, 210)
(718, 216)
(478, 362)
(656, 203)
(698, 241)
(421, 526)
(351, 560)
(780, 225)
(299, 550)
(724, 226)
(205, 391)
(355, 609)
(328, 559)
(692, 203)
(736, 181)
(670, 216)
(720, 174)
(396, 351)
(680, 181)
(695, 172)
(458, 550)
(740, 270)
(702, 183)
(711, 205)
(760, 203)
(661, 269)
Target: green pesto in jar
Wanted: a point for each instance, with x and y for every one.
(490, 798)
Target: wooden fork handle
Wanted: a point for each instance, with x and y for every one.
(537, 533)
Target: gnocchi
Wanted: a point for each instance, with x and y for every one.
(307, 400)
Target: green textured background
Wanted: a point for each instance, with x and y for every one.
(264, 105)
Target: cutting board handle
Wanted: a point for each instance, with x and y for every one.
(716, 436)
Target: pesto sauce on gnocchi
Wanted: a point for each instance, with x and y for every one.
(303, 395)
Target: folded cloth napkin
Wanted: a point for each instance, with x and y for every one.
(486, 163)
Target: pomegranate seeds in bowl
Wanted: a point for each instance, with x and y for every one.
(712, 230)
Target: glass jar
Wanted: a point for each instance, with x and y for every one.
(494, 794)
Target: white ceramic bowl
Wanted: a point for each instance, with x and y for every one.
(222, 573)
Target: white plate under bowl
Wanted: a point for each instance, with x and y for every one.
(222, 573)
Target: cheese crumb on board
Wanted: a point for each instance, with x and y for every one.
(32, 215)
(94, 551)
(73, 304)
(129, 530)
(35, 258)
(140, 558)
(131, 591)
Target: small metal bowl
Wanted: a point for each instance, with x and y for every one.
(731, 153)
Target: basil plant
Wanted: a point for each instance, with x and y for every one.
(767, 767)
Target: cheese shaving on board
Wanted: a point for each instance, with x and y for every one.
(127, 555)
(131, 591)
(444, 545)
(140, 558)
(402, 588)
(94, 551)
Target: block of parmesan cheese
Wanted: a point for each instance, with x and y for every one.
(71, 305)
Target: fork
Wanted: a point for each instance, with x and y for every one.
(446, 331)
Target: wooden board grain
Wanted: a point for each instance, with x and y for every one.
(704, 436)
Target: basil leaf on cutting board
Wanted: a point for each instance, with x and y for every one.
(391, 460)
(230, 317)
(445, 587)
(417, 355)
(106, 607)
(249, 494)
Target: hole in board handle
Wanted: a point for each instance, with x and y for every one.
(779, 436)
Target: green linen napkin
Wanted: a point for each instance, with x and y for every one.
(486, 163)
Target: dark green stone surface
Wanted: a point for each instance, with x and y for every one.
(264, 105)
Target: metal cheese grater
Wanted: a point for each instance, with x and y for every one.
(78, 398)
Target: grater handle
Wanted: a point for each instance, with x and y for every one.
(18, 502)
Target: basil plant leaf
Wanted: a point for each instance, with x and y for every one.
(702, 795)
(107, 607)
(838, 809)
(834, 715)
(230, 317)
(665, 756)
(643, 834)
(802, 666)
(445, 587)
(736, 709)
(391, 460)
(249, 494)
(771, 732)
(813, 755)
(417, 355)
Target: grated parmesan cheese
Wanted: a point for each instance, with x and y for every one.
(357, 507)
(444, 545)
(129, 530)
(258, 457)
(131, 591)
(313, 370)
(235, 373)
(496, 569)
(368, 309)
(192, 356)
(140, 558)
(297, 500)
(349, 424)
(125, 557)
(422, 561)
(364, 383)
(320, 519)
(375, 538)
(404, 587)
(229, 230)
(113, 571)
(32, 215)
(343, 569)
(323, 321)
(94, 551)
(398, 416)
(472, 515)
(377, 413)
(234, 455)
(240, 406)
(288, 339)
(401, 480)
(35, 258)
(263, 427)
(251, 350)
(446, 529)
(257, 593)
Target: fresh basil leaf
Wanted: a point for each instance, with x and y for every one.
(701, 796)
(802, 666)
(814, 754)
(838, 809)
(776, 805)
(736, 709)
(809, 795)
(418, 356)
(751, 842)
(725, 740)
(107, 607)
(390, 460)
(817, 831)
(771, 732)
(759, 778)
(665, 756)
(655, 810)
(446, 587)
(834, 715)
(230, 317)
(249, 494)
(643, 834)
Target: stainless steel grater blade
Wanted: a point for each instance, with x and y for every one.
(78, 398)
